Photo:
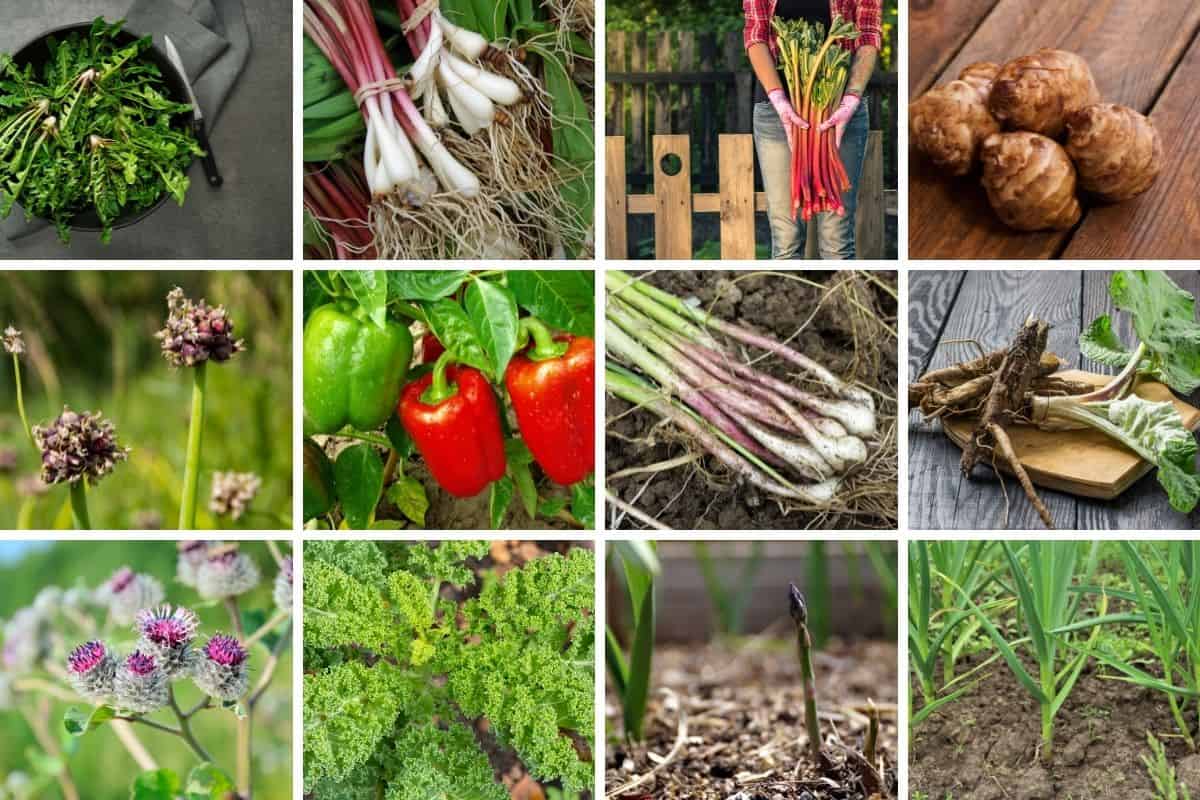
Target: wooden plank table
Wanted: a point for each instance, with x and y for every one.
(1144, 55)
(989, 306)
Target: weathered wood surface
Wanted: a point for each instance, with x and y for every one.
(988, 306)
(936, 31)
(1134, 49)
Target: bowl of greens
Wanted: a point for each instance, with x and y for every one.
(94, 129)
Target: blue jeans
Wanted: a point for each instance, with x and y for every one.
(835, 234)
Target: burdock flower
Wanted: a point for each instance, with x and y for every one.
(91, 669)
(128, 592)
(232, 492)
(26, 641)
(192, 554)
(226, 573)
(221, 671)
(140, 684)
(283, 586)
(77, 446)
(196, 332)
(13, 342)
(167, 635)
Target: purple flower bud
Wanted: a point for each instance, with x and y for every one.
(232, 492)
(13, 343)
(78, 446)
(196, 332)
(140, 684)
(91, 669)
(127, 593)
(192, 554)
(226, 573)
(283, 586)
(222, 672)
(167, 636)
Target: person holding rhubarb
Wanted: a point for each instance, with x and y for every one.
(775, 118)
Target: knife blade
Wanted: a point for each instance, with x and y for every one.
(198, 128)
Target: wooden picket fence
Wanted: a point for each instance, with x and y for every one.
(673, 203)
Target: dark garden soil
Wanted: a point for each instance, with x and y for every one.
(744, 714)
(840, 328)
(985, 746)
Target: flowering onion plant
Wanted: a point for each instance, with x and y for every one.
(126, 656)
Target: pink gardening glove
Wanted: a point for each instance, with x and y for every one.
(785, 110)
(842, 116)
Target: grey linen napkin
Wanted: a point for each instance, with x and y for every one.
(213, 40)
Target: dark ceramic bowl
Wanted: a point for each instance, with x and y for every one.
(37, 53)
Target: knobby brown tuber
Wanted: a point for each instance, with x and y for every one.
(1030, 181)
(1116, 150)
(1039, 91)
(948, 124)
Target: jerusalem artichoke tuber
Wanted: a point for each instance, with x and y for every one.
(949, 123)
(1116, 150)
(1030, 181)
(1038, 91)
(980, 75)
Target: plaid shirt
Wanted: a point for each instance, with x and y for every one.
(866, 14)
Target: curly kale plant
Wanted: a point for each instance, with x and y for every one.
(92, 129)
(396, 675)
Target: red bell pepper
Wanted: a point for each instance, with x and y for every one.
(431, 349)
(553, 392)
(452, 417)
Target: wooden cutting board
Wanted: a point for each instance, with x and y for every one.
(1083, 462)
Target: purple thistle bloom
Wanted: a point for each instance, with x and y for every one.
(121, 580)
(140, 684)
(167, 635)
(91, 669)
(226, 573)
(222, 671)
(127, 592)
(192, 554)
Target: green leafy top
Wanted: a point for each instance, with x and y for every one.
(395, 673)
(92, 130)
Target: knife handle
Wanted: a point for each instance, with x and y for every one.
(210, 162)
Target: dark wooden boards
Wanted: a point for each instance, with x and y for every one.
(988, 306)
(936, 30)
(1133, 50)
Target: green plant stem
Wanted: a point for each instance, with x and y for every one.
(79, 506)
(265, 629)
(191, 475)
(235, 617)
(185, 727)
(41, 732)
(21, 404)
(804, 650)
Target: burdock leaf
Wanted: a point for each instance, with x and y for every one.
(1101, 344)
(79, 721)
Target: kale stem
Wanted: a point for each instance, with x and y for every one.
(83, 522)
(191, 475)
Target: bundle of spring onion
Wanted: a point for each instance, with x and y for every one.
(470, 149)
(815, 66)
(665, 356)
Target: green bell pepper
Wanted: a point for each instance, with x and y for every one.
(353, 368)
(318, 481)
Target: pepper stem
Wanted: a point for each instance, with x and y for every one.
(545, 346)
(441, 389)
(83, 521)
(191, 474)
(21, 404)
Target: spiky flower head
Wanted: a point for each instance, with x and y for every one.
(167, 635)
(14, 344)
(232, 493)
(283, 586)
(221, 671)
(226, 572)
(26, 641)
(140, 684)
(77, 446)
(196, 332)
(128, 592)
(192, 554)
(92, 669)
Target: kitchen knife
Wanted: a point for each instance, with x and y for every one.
(210, 163)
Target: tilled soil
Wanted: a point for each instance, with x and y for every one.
(702, 494)
(744, 713)
(986, 745)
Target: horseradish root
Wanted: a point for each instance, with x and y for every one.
(1030, 181)
(1037, 92)
(948, 124)
(1116, 150)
